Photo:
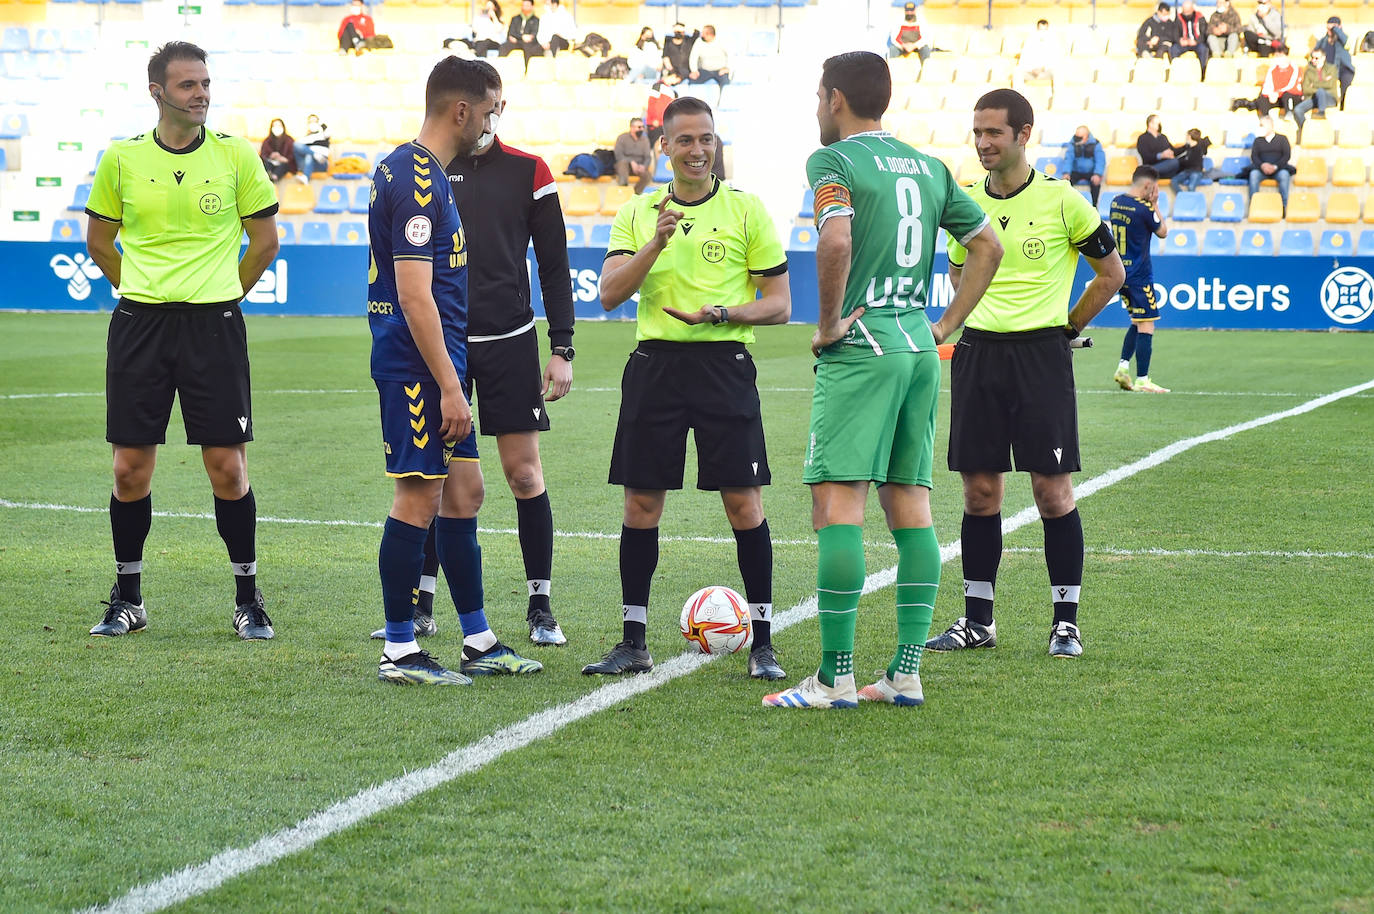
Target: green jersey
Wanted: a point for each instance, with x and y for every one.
(180, 213)
(1041, 226)
(721, 241)
(898, 199)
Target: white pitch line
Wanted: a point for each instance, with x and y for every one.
(1208, 553)
(203, 877)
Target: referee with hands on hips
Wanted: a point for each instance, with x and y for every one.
(178, 199)
(697, 251)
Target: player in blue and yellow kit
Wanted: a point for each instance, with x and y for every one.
(417, 310)
(1135, 219)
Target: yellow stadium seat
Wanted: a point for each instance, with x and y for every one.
(1149, 72)
(616, 196)
(576, 129)
(1349, 171)
(583, 199)
(1354, 133)
(541, 70)
(914, 131)
(295, 198)
(970, 170)
(1342, 207)
(949, 132)
(1266, 208)
(938, 70)
(1317, 134)
(1303, 206)
(1311, 172)
(558, 163)
(572, 68)
(1119, 169)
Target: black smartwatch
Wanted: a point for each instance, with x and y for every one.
(723, 317)
(565, 352)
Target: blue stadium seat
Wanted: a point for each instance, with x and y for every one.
(352, 233)
(1104, 206)
(1207, 166)
(13, 125)
(1256, 243)
(316, 233)
(1190, 206)
(4, 160)
(1232, 166)
(1163, 202)
(237, 2)
(803, 238)
(727, 4)
(333, 198)
(14, 39)
(576, 235)
(1180, 241)
(600, 236)
(794, 4)
(808, 205)
(750, 3)
(47, 40)
(1335, 243)
(286, 232)
(691, 3)
(659, 2)
(1049, 165)
(663, 172)
(1239, 139)
(66, 230)
(79, 41)
(1228, 207)
(80, 198)
(1219, 243)
(763, 43)
(362, 196)
(1367, 243)
(1296, 242)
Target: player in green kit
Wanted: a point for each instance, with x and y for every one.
(879, 207)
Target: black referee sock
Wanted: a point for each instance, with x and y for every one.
(981, 537)
(237, 522)
(638, 560)
(429, 575)
(129, 525)
(534, 518)
(1064, 559)
(754, 551)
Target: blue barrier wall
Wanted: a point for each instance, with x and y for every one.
(1225, 293)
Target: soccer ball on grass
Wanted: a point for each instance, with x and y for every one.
(716, 620)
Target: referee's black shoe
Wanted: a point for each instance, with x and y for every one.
(250, 620)
(763, 663)
(623, 658)
(121, 617)
(1065, 641)
(964, 634)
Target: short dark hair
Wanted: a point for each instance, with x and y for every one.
(863, 78)
(471, 79)
(685, 105)
(1040, 22)
(1163, 8)
(172, 50)
(1144, 173)
(1019, 113)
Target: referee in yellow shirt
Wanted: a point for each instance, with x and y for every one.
(697, 251)
(179, 199)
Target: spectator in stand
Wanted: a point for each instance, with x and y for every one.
(1282, 87)
(523, 33)
(634, 156)
(1265, 34)
(312, 151)
(1158, 34)
(1332, 44)
(910, 36)
(355, 29)
(646, 60)
(677, 51)
(659, 99)
(487, 32)
(1155, 149)
(1321, 88)
(1192, 36)
(1085, 161)
(278, 151)
(1037, 57)
(1224, 31)
(1191, 157)
(557, 29)
(1270, 157)
(709, 61)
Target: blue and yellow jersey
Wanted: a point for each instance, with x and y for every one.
(1134, 222)
(412, 217)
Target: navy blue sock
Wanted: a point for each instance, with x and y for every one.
(424, 595)
(399, 559)
(461, 558)
(1144, 348)
(1128, 344)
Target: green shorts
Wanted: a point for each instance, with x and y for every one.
(874, 420)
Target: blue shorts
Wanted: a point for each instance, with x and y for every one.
(410, 416)
(1140, 302)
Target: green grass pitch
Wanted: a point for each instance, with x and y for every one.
(1210, 752)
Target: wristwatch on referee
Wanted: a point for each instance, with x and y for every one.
(565, 352)
(722, 315)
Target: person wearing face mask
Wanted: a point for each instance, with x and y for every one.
(910, 36)
(1224, 31)
(1332, 45)
(278, 151)
(1282, 87)
(646, 60)
(355, 29)
(312, 152)
(1264, 37)
(677, 51)
(1155, 149)
(487, 32)
(1271, 160)
(633, 156)
(1085, 161)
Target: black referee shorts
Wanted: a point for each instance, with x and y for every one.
(157, 352)
(1013, 392)
(668, 388)
(509, 384)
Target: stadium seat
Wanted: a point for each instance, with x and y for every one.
(1189, 206)
(808, 205)
(80, 198)
(286, 232)
(66, 230)
(1104, 206)
(1296, 243)
(663, 171)
(1219, 243)
(1156, 245)
(1304, 206)
(14, 39)
(1317, 133)
(1354, 132)
(362, 196)
(1180, 241)
(803, 238)
(352, 233)
(1349, 171)
(1342, 207)
(333, 199)
(1119, 170)
(4, 160)
(316, 233)
(584, 199)
(353, 164)
(1266, 208)
(1367, 243)
(1335, 243)
(1311, 171)
(614, 197)
(1231, 167)
(575, 234)
(1049, 165)
(1239, 138)
(1257, 243)
(295, 198)
(1228, 207)
(600, 235)
(14, 125)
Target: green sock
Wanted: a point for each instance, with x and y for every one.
(839, 579)
(918, 580)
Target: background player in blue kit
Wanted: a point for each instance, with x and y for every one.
(417, 310)
(1135, 219)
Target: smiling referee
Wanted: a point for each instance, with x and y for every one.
(179, 199)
